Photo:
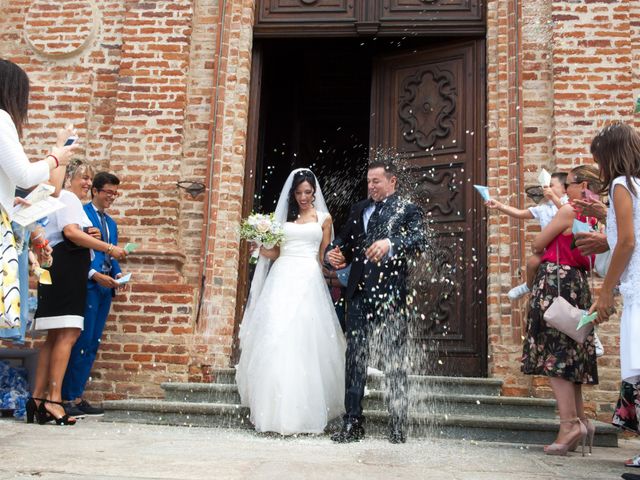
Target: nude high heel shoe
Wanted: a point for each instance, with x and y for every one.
(591, 431)
(578, 435)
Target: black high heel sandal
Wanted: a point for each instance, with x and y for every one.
(43, 413)
(33, 411)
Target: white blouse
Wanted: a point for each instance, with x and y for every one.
(15, 167)
(70, 214)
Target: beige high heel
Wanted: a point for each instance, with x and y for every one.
(591, 431)
(579, 435)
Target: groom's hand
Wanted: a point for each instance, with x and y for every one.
(378, 250)
(336, 258)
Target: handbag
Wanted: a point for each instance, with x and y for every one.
(564, 317)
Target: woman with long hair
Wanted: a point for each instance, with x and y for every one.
(61, 305)
(547, 351)
(17, 171)
(291, 369)
(616, 149)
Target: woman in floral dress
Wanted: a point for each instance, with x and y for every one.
(546, 350)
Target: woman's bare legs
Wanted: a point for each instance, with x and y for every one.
(41, 384)
(567, 400)
(60, 352)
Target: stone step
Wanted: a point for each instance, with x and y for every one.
(469, 427)
(488, 405)
(431, 384)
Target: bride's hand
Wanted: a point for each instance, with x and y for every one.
(253, 246)
(336, 258)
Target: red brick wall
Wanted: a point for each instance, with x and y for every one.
(504, 165)
(159, 92)
(578, 68)
(635, 51)
(593, 84)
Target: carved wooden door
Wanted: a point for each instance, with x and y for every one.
(427, 105)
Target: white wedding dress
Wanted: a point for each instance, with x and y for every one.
(291, 369)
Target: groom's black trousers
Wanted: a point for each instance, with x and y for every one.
(385, 327)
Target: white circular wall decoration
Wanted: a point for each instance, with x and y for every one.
(60, 29)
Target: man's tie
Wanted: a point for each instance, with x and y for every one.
(106, 264)
(374, 219)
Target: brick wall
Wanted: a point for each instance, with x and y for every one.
(593, 83)
(635, 51)
(578, 68)
(159, 93)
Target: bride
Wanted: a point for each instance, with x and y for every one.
(291, 369)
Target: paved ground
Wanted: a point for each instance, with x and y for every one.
(107, 451)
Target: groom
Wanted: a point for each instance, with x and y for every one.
(381, 235)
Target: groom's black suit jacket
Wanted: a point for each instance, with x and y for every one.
(401, 222)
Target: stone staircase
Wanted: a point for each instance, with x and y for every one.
(448, 407)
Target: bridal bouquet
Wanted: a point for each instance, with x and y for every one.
(263, 230)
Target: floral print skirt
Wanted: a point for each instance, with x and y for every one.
(547, 351)
(628, 408)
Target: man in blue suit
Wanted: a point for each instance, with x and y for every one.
(102, 287)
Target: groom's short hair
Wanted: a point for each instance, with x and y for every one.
(390, 169)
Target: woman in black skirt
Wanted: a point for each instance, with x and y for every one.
(61, 305)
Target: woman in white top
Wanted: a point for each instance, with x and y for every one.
(61, 305)
(17, 170)
(616, 149)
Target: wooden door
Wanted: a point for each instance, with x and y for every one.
(428, 106)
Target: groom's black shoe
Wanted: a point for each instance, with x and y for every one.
(396, 435)
(396, 430)
(352, 431)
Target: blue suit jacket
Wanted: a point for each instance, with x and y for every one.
(98, 259)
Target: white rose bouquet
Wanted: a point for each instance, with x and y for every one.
(263, 230)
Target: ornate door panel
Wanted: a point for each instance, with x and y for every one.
(397, 10)
(283, 11)
(428, 106)
(340, 18)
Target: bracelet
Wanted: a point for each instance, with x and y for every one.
(55, 158)
(110, 248)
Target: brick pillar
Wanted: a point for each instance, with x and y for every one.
(505, 165)
(224, 204)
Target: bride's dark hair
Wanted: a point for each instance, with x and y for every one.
(298, 178)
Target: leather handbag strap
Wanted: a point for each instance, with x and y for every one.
(558, 268)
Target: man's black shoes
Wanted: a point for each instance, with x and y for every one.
(350, 432)
(396, 435)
